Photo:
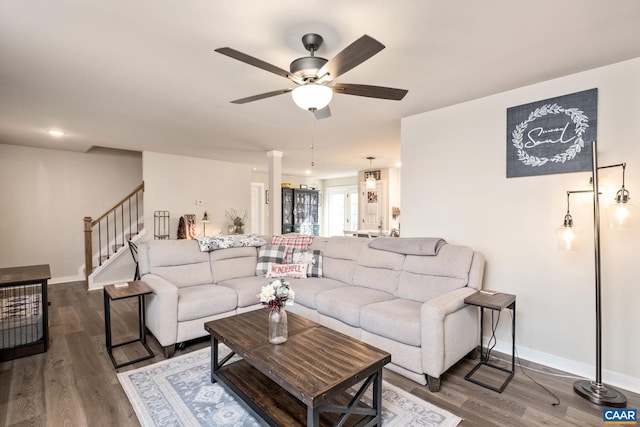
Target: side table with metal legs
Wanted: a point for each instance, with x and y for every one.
(112, 293)
(494, 301)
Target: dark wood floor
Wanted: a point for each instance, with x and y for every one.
(75, 384)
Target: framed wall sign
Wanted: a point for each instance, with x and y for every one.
(553, 135)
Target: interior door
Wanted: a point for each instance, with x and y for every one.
(257, 208)
(373, 206)
(342, 209)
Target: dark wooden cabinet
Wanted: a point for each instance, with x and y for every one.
(300, 213)
(287, 210)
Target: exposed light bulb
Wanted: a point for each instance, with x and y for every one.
(567, 238)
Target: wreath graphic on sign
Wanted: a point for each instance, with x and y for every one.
(580, 121)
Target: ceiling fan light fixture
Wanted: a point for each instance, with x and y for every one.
(312, 96)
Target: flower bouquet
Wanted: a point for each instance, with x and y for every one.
(275, 296)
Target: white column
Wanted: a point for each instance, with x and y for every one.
(275, 192)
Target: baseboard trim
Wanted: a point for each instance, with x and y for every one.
(66, 279)
(572, 367)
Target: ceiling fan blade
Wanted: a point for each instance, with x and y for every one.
(322, 113)
(247, 59)
(369, 91)
(351, 56)
(261, 96)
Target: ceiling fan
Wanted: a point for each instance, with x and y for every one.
(314, 76)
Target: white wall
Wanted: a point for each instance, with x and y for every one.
(45, 194)
(454, 186)
(174, 183)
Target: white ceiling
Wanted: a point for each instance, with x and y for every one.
(143, 74)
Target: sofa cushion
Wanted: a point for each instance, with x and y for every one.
(339, 258)
(319, 243)
(247, 289)
(346, 303)
(164, 253)
(195, 302)
(397, 319)
(267, 254)
(426, 277)
(341, 247)
(233, 262)
(312, 258)
(178, 261)
(298, 271)
(185, 275)
(378, 269)
(308, 290)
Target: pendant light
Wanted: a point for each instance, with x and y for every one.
(566, 236)
(620, 213)
(370, 182)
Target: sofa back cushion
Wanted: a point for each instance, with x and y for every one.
(178, 261)
(319, 243)
(378, 269)
(426, 277)
(340, 255)
(233, 262)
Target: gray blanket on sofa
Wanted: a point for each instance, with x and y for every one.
(409, 245)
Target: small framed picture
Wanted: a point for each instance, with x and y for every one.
(303, 186)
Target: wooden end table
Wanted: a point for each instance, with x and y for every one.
(112, 293)
(497, 301)
(304, 381)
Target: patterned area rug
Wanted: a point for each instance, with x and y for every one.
(178, 392)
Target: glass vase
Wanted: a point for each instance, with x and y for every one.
(278, 330)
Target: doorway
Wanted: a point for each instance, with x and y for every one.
(257, 208)
(342, 210)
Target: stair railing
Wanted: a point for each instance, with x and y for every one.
(110, 228)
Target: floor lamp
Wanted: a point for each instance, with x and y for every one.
(596, 391)
(205, 220)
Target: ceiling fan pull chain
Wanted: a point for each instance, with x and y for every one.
(313, 135)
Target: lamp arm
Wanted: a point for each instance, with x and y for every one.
(622, 195)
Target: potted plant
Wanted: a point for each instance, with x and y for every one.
(237, 221)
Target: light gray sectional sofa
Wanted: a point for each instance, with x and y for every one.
(403, 295)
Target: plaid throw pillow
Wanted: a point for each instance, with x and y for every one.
(269, 254)
(300, 241)
(313, 259)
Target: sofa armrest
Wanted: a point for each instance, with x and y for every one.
(476, 272)
(443, 315)
(162, 309)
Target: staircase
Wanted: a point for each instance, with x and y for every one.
(107, 236)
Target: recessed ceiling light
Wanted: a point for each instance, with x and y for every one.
(55, 132)
(308, 171)
(398, 164)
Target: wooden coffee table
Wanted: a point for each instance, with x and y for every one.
(303, 381)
